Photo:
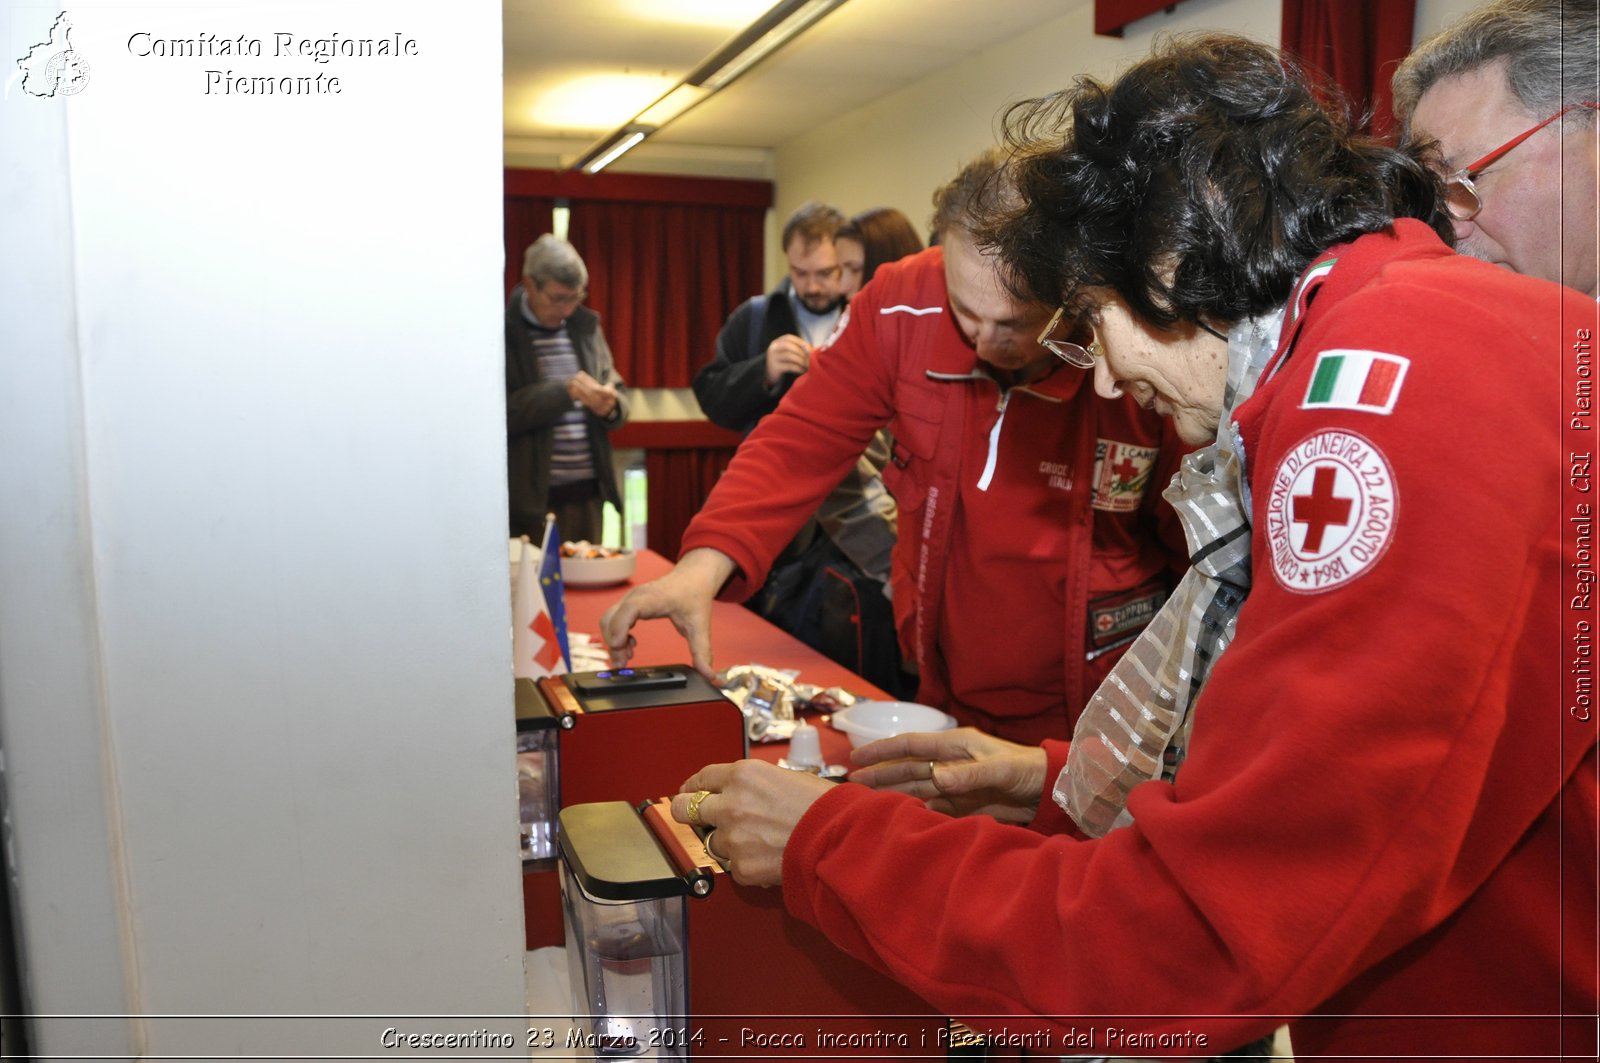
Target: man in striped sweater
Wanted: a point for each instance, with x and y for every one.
(563, 398)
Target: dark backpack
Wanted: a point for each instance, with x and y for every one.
(821, 598)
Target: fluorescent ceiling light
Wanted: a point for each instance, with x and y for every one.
(610, 156)
(670, 106)
(783, 22)
(794, 22)
(598, 102)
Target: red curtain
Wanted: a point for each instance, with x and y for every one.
(527, 219)
(678, 483)
(1358, 43)
(669, 257)
(664, 277)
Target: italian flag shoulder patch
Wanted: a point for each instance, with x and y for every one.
(1356, 380)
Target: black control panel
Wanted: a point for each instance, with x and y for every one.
(637, 688)
(616, 681)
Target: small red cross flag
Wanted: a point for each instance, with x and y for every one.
(535, 643)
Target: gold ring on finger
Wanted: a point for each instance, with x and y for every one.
(693, 811)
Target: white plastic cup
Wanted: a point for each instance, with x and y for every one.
(805, 748)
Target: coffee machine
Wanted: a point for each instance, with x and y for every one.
(618, 734)
(670, 959)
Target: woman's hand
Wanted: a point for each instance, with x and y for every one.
(753, 807)
(960, 773)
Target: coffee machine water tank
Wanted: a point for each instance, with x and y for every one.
(669, 958)
(624, 912)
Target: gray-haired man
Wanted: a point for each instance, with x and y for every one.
(563, 398)
(1509, 92)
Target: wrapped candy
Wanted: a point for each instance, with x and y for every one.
(771, 699)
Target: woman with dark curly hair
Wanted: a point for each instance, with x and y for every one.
(1198, 186)
(1341, 778)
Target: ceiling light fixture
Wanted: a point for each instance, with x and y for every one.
(613, 147)
(782, 23)
(681, 99)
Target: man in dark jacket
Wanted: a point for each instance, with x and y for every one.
(563, 398)
(767, 342)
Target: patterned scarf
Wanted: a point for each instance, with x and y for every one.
(1136, 726)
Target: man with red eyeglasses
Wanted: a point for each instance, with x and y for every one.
(1509, 92)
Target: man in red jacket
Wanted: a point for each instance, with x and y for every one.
(1033, 543)
(1383, 823)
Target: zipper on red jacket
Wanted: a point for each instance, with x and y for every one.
(994, 433)
(994, 442)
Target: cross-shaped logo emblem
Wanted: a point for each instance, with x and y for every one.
(1321, 508)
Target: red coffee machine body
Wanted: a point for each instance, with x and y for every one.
(623, 734)
(629, 734)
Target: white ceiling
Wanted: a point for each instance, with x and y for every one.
(861, 51)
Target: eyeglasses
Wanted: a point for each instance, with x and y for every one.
(815, 276)
(1084, 357)
(1462, 198)
(570, 297)
(1069, 352)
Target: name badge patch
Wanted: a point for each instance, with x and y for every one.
(1121, 474)
(1115, 619)
(1331, 513)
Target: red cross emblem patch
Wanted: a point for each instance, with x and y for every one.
(1121, 474)
(1331, 511)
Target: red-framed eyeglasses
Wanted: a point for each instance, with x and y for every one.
(1462, 198)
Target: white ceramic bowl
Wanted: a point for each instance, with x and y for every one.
(597, 571)
(868, 721)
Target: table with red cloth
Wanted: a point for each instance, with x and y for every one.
(738, 636)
